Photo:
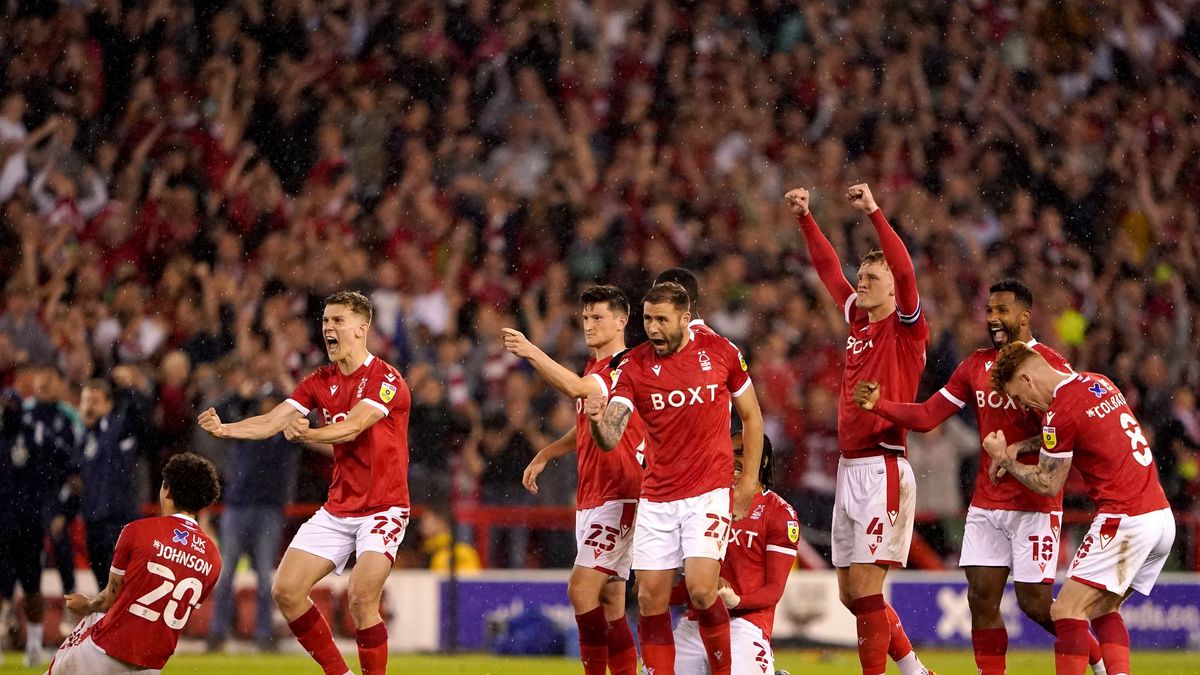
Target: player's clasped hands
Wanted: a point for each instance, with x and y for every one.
(297, 429)
(866, 394)
(996, 446)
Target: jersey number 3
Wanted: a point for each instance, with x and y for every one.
(1136, 439)
(141, 606)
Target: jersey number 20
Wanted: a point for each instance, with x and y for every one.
(141, 606)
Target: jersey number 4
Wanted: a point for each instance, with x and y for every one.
(169, 614)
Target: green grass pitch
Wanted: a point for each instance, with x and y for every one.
(798, 662)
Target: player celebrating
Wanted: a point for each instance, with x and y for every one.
(876, 494)
(682, 382)
(1009, 527)
(762, 548)
(609, 485)
(364, 404)
(162, 569)
(1088, 423)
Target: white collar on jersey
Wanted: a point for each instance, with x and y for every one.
(1060, 385)
(1032, 342)
(369, 359)
(184, 516)
(696, 322)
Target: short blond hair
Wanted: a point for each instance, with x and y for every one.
(357, 302)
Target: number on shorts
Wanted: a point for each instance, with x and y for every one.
(718, 528)
(875, 527)
(1137, 439)
(389, 528)
(609, 535)
(1085, 547)
(169, 614)
(1046, 544)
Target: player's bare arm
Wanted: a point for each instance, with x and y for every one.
(559, 448)
(748, 485)
(558, 375)
(1046, 478)
(361, 416)
(82, 605)
(252, 428)
(608, 422)
(866, 394)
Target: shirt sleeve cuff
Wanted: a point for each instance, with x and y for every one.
(621, 400)
(772, 548)
(378, 406)
(846, 307)
(600, 381)
(952, 398)
(296, 404)
(1058, 455)
(742, 389)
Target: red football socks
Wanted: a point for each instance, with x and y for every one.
(593, 641)
(622, 655)
(991, 644)
(714, 633)
(1114, 642)
(899, 645)
(373, 649)
(1071, 646)
(314, 635)
(658, 644)
(874, 634)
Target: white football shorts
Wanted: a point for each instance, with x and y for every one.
(873, 511)
(78, 655)
(669, 532)
(1122, 552)
(1025, 542)
(334, 538)
(604, 537)
(750, 652)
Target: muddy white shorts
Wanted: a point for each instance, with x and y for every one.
(749, 651)
(334, 538)
(604, 537)
(1122, 552)
(873, 511)
(78, 655)
(1025, 542)
(668, 532)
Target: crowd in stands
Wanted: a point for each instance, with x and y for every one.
(183, 183)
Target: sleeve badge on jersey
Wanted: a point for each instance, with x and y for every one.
(386, 392)
(742, 360)
(1049, 440)
(793, 531)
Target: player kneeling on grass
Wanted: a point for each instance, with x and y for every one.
(162, 569)
(762, 548)
(1086, 422)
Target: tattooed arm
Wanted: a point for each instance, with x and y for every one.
(1031, 444)
(1045, 478)
(608, 422)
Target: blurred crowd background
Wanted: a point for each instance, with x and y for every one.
(182, 184)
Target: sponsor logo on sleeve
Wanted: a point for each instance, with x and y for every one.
(742, 361)
(793, 531)
(1049, 439)
(386, 392)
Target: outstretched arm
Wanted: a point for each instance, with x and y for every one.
(552, 371)
(915, 416)
(908, 302)
(824, 257)
(252, 428)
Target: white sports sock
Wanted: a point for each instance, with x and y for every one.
(33, 638)
(1098, 668)
(911, 665)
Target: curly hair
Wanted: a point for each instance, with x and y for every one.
(192, 482)
(1010, 359)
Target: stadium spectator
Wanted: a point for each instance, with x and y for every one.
(435, 543)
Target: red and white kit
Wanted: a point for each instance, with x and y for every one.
(169, 567)
(684, 399)
(762, 548)
(609, 485)
(876, 494)
(1131, 535)
(1008, 525)
(367, 508)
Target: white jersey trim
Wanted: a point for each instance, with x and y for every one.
(772, 548)
(1058, 455)
(603, 386)
(296, 404)
(1060, 385)
(910, 318)
(846, 307)
(952, 398)
(117, 571)
(889, 446)
(742, 389)
(621, 400)
(378, 406)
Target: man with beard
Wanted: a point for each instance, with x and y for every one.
(1008, 527)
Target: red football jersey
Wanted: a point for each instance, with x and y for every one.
(169, 567)
(1090, 422)
(684, 399)
(891, 352)
(370, 473)
(616, 474)
(771, 529)
(970, 385)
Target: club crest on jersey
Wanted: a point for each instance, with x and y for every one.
(386, 392)
(705, 361)
(1049, 438)
(758, 512)
(793, 531)
(361, 385)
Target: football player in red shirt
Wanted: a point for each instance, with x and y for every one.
(364, 403)
(875, 498)
(1087, 423)
(608, 490)
(1009, 527)
(162, 569)
(762, 549)
(686, 278)
(683, 384)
